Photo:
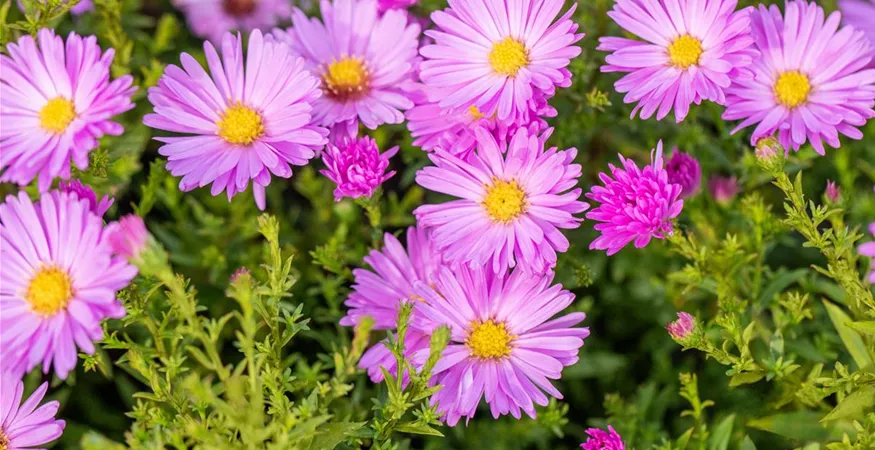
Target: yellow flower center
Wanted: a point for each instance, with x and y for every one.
(505, 200)
(475, 113)
(4, 441)
(508, 57)
(489, 340)
(49, 292)
(346, 78)
(57, 115)
(792, 89)
(240, 125)
(685, 51)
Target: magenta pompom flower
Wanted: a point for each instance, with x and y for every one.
(503, 345)
(84, 192)
(603, 440)
(24, 423)
(211, 19)
(684, 170)
(242, 126)
(499, 56)
(356, 166)
(635, 205)
(859, 14)
(513, 199)
(59, 281)
(810, 84)
(128, 236)
(683, 327)
(692, 52)
(57, 102)
(365, 60)
(868, 249)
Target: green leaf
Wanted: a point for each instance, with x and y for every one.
(853, 405)
(801, 425)
(747, 444)
(867, 327)
(719, 439)
(745, 378)
(684, 440)
(333, 434)
(779, 284)
(93, 440)
(418, 428)
(852, 340)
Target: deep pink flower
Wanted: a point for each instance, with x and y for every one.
(723, 189)
(868, 249)
(505, 344)
(211, 19)
(58, 100)
(603, 440)
(25, 424)
(811, 83)
(635, 205)
(356, 166)
(128, 236)
(85, 192)
(682, 327)
(63, 285)
(691, 52)
(684, 170)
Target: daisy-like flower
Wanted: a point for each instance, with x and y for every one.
(211, 19)
(503, 345)
(691, 52)
(499, 56)
(57, 102)
(59, 281)
(513, 199)
(635, 204)
(24, 423)
(603, 440)
(859, 14)
(811, 83)
(84, 192)
(245, 125)
(684, 170)
(868, 249)
(357, 167)
(365, 60)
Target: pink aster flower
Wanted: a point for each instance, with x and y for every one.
(868, 249)
(691, 52)
(211, 19)
(84, 192)
(357, 167)
(513, 199)
(24, 423)
(684, 170)
(365, 60)
(59, 281)
(635, 205)
(499, 56)
(242, 126)
(603, 440)
(723, 189)
(859, 14)
(810, 84)
(682, 327)
(128, 236)
(57, 102)
(504, 345)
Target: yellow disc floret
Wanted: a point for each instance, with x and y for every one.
(49, 291)
(489, 340)
(346, 78)
(792, 89)
(56, 115)
(240, 125)
(685, 51)
(505, 200)
(508, 57)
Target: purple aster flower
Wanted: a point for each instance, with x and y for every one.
(684, 170)
(810, 84)
(64, 283)
(503, 345)
(513, 199)
(385, 5)
(84, 192)
(691, 51)
(682, 327)
(378, 293)
(211, 19)
(634, 205)
(859, 14)
(366, 66)
(723, 189)
(57, 102)
(868, 249)
(128, 236)
(499, 56)
(24, 423)
(357, 167)
(603, 440)
(241, 126)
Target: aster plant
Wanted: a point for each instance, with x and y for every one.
(211, 19)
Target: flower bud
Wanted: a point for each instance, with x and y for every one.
(127, 237)
(683, 328)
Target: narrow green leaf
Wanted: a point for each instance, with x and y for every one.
(854, 405)
(332, 434)
(780, 283)
(418, 428)
(801, 425)
(867, 327)
(719, 439)
(745, 378)
(852, 340)
(747, 444)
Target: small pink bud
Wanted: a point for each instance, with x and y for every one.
(832, 191)
(239, 272)
(127, 237)
(723, 189)
(683, 327)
